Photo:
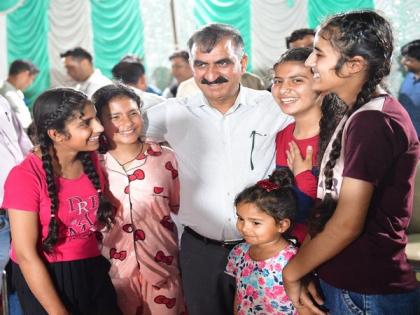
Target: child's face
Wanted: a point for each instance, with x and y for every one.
(256, 226)
(122, 121)
(323, 60)
(292, 89)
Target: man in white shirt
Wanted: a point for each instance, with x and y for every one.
(131, 73)
(224, 140)
(14, 145)
(78, 63)
(21, 75)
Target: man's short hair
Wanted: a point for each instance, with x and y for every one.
(21, 65)
(131, 58)
(77, 53)
(207, 37)
(180, 54)
(411, 49)
(299, 34)
(128, 72)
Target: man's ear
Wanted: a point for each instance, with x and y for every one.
(244, 63)
(56, 136)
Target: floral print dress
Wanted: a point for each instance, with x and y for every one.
(259, 284)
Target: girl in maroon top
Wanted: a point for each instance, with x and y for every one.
(366, 180)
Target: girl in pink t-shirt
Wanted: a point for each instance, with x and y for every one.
(143, 178)
(55, 203)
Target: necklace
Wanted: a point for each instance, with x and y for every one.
(131, 160)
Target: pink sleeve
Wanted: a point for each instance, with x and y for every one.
(233, 258)
(21, 190)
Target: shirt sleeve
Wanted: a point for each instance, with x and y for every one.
(306, 182)
(155, 122)
(21, 182)
(371, 144)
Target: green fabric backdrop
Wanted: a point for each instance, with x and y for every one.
(117, 28)
(27, 38)
(319, 9)
(7, 4)
(236, 13)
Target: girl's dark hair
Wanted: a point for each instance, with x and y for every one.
(103, 96)
(278, 202)
(294, 54)
(359, 33)
(53, 109)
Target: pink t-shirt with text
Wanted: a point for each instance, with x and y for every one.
(26, 190)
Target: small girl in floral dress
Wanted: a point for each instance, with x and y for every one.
(265, 214)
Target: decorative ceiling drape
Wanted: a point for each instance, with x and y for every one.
(27, 29)
(40, 30)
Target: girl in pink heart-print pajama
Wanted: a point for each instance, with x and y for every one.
(143, 179)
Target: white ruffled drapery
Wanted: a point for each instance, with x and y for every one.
(272, 22)
(69, 26)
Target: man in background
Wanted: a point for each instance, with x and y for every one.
(78, 63)
(21, 75)
(409, 95)
(303, 37)
(131, 72)
(181, 71)
(14, 145)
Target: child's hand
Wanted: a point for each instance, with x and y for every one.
(295, 161)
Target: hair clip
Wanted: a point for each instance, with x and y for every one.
(328, 191)
(52, 215)
(98, 191)
(267, 185)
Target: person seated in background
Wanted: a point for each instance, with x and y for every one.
(409, 94)
(79, 66)
(131, 72)
(303, 37)
(181, 71)
(21, 75)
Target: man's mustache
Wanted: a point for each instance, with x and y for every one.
(217, 81)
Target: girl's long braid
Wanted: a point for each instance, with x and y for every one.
(53, 227)
(333, 110)
(105, 210)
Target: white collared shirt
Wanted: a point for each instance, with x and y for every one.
(93, 83)
(215, 152)
(14, 143)
(15, 98)
(148, 99)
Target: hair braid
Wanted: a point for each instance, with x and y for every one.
(105, 214)
(53, 226)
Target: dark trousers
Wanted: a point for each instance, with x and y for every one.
(207, 289)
